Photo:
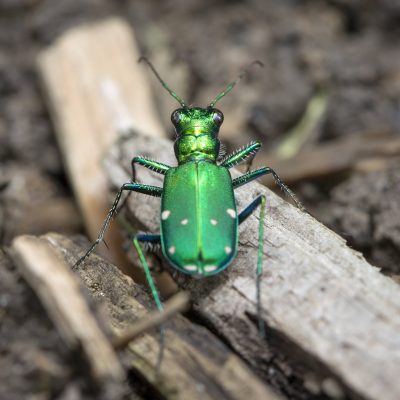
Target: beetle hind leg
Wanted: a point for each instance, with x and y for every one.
(258, 201)
(150, 238)
(151, 242)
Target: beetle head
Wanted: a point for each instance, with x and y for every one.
(197, 121)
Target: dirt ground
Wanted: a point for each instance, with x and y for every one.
(347, 50)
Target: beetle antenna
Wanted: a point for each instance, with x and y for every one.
(232, 84)
(166, 87)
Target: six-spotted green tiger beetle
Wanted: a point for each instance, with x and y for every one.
(199, 219)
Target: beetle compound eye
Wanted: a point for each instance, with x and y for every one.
(175, 117)
(218, 117)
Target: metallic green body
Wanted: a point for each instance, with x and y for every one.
(199, 225)
(199, 233)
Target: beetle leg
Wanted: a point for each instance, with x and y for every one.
(151, 242)
(148, 238)
(145, 162)
(260, 200)
(240, 155)
(250, 176)
(135, 187)
(244, 214)
(150, 164)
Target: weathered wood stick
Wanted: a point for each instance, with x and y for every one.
(95, 90)
(59, 290)
(196, 365)
(321, 299)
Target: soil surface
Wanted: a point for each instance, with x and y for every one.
(346, 50)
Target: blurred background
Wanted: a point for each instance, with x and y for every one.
(326, 105)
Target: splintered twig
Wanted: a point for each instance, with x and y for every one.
(178, 303)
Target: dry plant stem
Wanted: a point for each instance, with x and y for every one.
(96, 91)
(320, 299)
(177, 304)
(59, 290)
(337, 157)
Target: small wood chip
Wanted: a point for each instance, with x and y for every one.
(96, 91)
(61, 295)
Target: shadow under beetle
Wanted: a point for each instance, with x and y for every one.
(199, 220)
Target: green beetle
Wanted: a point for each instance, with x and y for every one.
(198, 210)
(199, 220)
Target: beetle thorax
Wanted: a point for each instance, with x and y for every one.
(191, 147)
(197, 133)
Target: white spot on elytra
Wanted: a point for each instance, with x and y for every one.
(231, 212)
(228, 250)
(165, 214)
(209, 268)
(184, 221)
(190, 267)
(213, 221)
(171, 250)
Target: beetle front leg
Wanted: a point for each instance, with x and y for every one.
(252, 175)
(135, 187)
(240, 155)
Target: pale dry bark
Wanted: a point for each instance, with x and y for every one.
(95, 89)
